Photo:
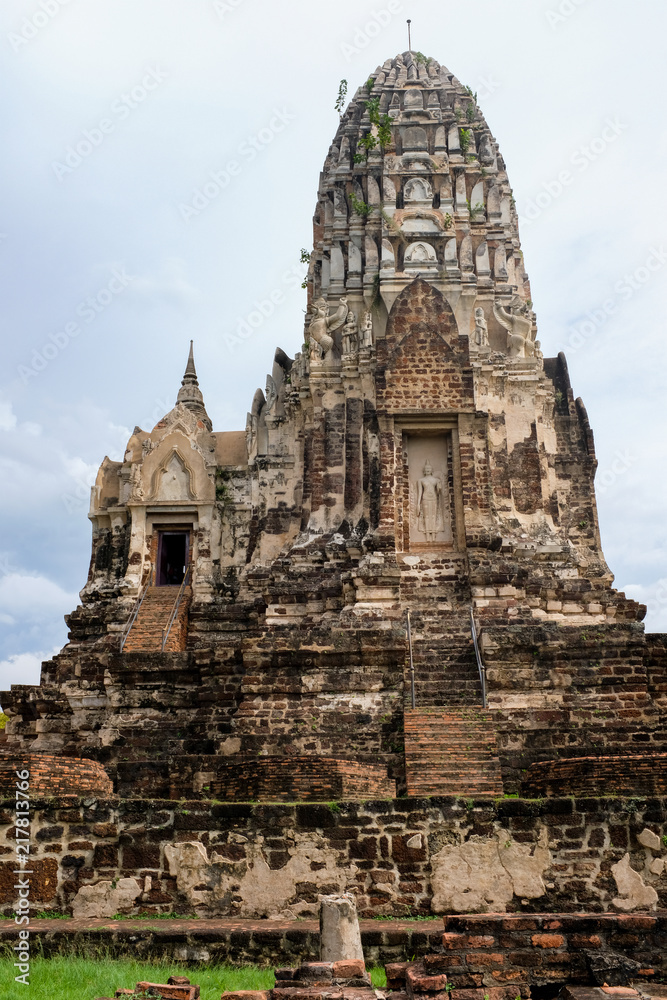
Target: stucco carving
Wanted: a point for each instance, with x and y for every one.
(266, 892)
(323, 324)
(104, 899)
(484, 875)
(634, 894)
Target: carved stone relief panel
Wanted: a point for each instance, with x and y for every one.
(429, 514)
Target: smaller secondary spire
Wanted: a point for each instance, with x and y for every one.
(190, 394)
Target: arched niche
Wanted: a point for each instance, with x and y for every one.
(173, 480)
(175, 471)
(424, 360)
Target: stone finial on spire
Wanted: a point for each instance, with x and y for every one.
(190, 394)
(190, 367)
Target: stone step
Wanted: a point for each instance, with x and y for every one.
(153, 618)
(450, 753)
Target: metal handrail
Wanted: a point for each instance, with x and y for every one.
(480, 665)
(174, 611)
(133, 616)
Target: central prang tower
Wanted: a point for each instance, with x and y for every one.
(242, 633)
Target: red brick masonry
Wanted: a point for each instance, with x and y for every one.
(616, 775)
(290, 779)
(52, 776)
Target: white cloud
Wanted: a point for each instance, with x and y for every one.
(654, 596)
(169, 283)
(7, 416)
(29, 597)
(23, 668)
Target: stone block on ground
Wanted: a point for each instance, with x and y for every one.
(246, 995)
(396, 974)
(419, 981)
(349, 969)
(169, 992)
(315, 972)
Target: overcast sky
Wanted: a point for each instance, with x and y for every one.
(160, 170)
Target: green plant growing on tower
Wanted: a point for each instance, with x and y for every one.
(360, 207)
(370, 83)
(222, 494)
(465, 138)
(382, 136)
(340, 100)
(420, 58)
(305, 259)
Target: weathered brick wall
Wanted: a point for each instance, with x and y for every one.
(421, 363)
(157, 722)
(644, 774)
(481, 952)
(656, 668)
(160, 723)
(55, 776)
(399, 856)
(579, 691)
(294, 778)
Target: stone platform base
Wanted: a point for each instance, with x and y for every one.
(262, 942)
(497, 949)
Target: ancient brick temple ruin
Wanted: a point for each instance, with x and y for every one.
(242, 635)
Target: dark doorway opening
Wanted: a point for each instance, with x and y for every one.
(172, 557)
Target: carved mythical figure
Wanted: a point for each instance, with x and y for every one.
(136, 489)
(481, 329)
(271, 392)
(367, 330)
(429, 504)
(350, 334)
(518, 322)
(322, 323)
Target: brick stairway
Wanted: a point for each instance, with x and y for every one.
(444, 660)
(153, 617)
(451, 751)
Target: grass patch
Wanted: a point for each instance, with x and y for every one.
(378, 977)
(74, 978)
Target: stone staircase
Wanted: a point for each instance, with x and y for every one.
(154, 614)
(444, 660)
(451, 751)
